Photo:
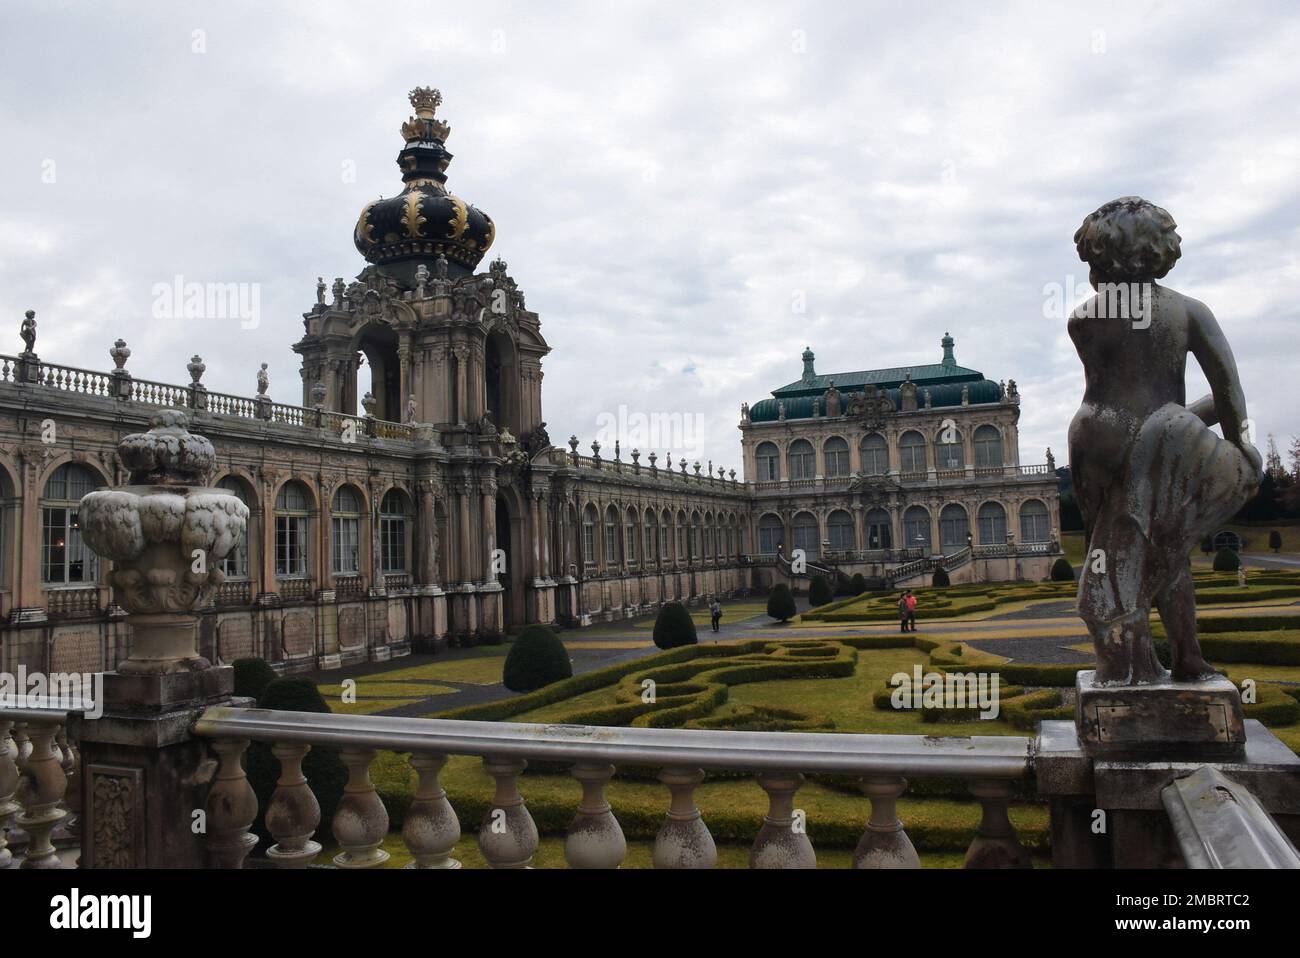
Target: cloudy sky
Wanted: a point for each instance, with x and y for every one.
(688, 193)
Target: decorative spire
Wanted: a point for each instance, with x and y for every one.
(809, 373)
(423, 127)
(947, 343)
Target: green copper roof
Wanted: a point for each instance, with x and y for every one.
(941, 395)
(931, 373)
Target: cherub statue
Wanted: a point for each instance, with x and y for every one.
(1152, 479)
(263, 381)
(28, 330)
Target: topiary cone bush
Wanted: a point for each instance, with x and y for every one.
(780, 603)
(537, 658)
(1225, 560)
(325, 772)
(819, 591)
(674, 627)
(941, 578)
(252, 676)
(858, 584)
(1062, 571)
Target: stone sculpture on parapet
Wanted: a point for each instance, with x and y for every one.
(1152, 480)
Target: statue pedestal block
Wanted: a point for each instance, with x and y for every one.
(1186, 718)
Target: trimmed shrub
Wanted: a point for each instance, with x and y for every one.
(674, 627)
(941, 579)
(252, 676)
(780, 603)
(537, 658)
(819, 591)
(858, 584)
(325, 772)
(1225, 560)
(1062, 571)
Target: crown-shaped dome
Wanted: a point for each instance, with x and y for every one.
(424, 221)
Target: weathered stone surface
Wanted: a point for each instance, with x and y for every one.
(1159, 716)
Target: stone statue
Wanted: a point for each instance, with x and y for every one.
(1051, 460)
(833, 405)
(780, 410)
(1152, 479)
(28, 331)
(320, 290)
(410, 409)
(263, 381)
(440, 267)
(421, 279)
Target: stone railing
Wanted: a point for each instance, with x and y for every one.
(40, 793)
(508, 837)
(835, 483)
(646, 472)
(72, 602)
(396, 581)
(296, 588)
(233, 593)
(348, 586)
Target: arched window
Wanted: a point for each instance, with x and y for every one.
(235, 564)
(875, 454)
(346, 511)
(292, 543)
(681, 535)
(693, 537)
(839, 530)
(880, 534)
(992, 520)
(949, 452)
(807, 534)
(911, 452)
(629, 534)
(589, 520)
(988, 447)
(916, 528)
(394, 531)
(769, 534)
(769, 462)
(664, 533)
(650, 542)
(803, 461)
(1034, 526)
(64, 557)
(954, 527)
(836, 452)
(611, 536)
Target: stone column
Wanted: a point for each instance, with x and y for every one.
(544, 501)
(466, 535)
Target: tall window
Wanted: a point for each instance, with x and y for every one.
(693, 536)
(916, 528)
(988, 447)
(769, 534)
(875, 455)
(803, 461)
(235, 564)
(64, 557)
(911, 452)
(1033, 522)
(292, 545)
(681, 536)
(664, 534)
(589, 534)
(345, 516)
(879, 532)
(992, 521)
(650, 544)
(394, 523)
(611, 536)
(836, 451)
(954, 527)
(629, 535)
(839, 530)
(807, 534)
(949, 453)
(769, 462)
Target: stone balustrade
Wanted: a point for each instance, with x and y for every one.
(508, 836)
(40, 794)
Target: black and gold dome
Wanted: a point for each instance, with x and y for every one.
(424, 220)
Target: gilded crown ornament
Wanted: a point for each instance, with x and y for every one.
(423, 126)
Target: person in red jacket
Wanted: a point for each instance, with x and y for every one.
(911, 610)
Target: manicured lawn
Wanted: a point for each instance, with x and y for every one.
(482, 668)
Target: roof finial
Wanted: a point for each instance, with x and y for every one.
(425, 101)
(947, 342)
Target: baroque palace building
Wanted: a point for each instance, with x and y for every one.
(442, 512)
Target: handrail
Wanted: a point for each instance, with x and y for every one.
(981, 756)
(1219, 824)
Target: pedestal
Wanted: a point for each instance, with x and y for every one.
(1196, 719)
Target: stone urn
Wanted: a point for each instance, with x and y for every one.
(166, 533)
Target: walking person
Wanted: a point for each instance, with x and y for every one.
(715, 613)
(911, 610)
(902, 612)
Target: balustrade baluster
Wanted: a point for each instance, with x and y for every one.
(782, 842)
(69, 832)
(683, 840)
(430, 828)
(884, 844)
(46, 787)
(594, 838)
(230, 808)
(996, 844)
(361, 821)
(8, 786)
(508, 836)
(293, 814)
